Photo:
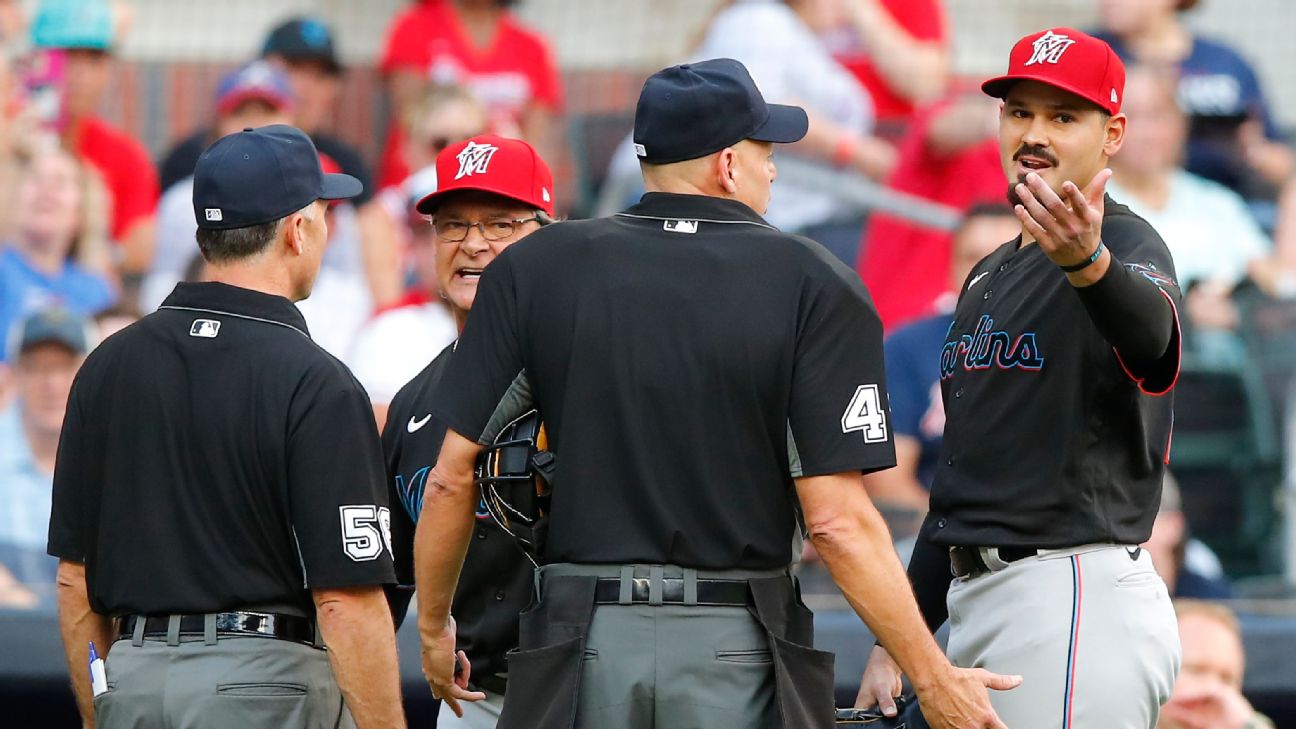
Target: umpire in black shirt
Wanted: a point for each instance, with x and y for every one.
(219, 488)
(698, 371)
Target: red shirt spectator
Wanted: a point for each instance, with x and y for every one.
(126, 169)
(511, 73)
(924, 22)
(906, 266)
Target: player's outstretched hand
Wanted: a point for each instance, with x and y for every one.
(1066, 230)
(439, 657)
(958, 700)
(881, 683)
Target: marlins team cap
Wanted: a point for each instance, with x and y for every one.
(490, 163)
(695, 109)
(1070, 60)
(260, 175)
(258, 80)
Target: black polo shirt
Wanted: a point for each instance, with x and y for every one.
(690, 360)
(495, 584)
(213, 457)
(1051, 439)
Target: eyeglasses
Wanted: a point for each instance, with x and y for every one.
(454, 231)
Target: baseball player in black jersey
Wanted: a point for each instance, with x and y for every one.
(1056, 376)
(491, 192)
(700, 374)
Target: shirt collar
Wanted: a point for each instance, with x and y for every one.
(675, 206)
(222, 298)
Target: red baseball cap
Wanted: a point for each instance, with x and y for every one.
(491, 163)
(1068, 59)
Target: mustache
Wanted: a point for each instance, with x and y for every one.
(1035, 151)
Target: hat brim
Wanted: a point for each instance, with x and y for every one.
(786, 124)
(999, 86)
(340, 187)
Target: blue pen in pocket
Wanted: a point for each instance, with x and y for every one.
(98, 678)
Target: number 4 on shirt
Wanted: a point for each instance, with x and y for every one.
(865, 414)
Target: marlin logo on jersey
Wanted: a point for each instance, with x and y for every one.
(1049, 48)
(474, 159)
(986, 347)
(1150, 272)
(411, 494)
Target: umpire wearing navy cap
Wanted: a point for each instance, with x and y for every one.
(220, 512)
(703, 377)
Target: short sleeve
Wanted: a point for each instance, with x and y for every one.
(839, 415)
(71, 478)
(488, 357)
(337, 483)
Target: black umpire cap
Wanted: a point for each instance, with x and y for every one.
(695, 109)
(260, 175)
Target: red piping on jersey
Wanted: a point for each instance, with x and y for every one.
(1178, 335)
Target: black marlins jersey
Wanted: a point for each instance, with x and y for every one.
(1051, 438)
(495, 584)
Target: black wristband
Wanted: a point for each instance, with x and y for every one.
(1087, 262)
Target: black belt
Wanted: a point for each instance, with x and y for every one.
(967, 561)
(265, 625)
(709, 592)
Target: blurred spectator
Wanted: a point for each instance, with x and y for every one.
(949, 155)
(303, 49)
(1208, 692)
(441, 116)
(58, 240)
(1188, 567)
(913, 355)
(480, 45)
(899, 50)
(1211, 234)
(780, 45)
(83, 31)
(1233, 138)
(418, 329)
(46, 350)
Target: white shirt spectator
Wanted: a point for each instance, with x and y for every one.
(1206, 226)
(397, 344)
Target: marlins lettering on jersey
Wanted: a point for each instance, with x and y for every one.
(986, 347)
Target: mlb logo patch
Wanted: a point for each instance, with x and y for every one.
(205, 328)
(680, 226)
(213, 214)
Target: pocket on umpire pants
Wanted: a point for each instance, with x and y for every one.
(256, 704)
(803, 681)
(543, 685)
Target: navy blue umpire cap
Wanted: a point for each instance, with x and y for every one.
(261, 175)
(695, 109)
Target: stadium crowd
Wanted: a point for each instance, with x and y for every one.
(94, 232)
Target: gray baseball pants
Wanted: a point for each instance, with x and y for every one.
(247, 682)
(1090, 629)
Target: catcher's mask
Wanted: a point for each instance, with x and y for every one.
(515, 477)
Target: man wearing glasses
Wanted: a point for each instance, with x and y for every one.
(491, 193)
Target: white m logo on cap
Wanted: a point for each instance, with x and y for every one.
(1049, 48)
(474, 159)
